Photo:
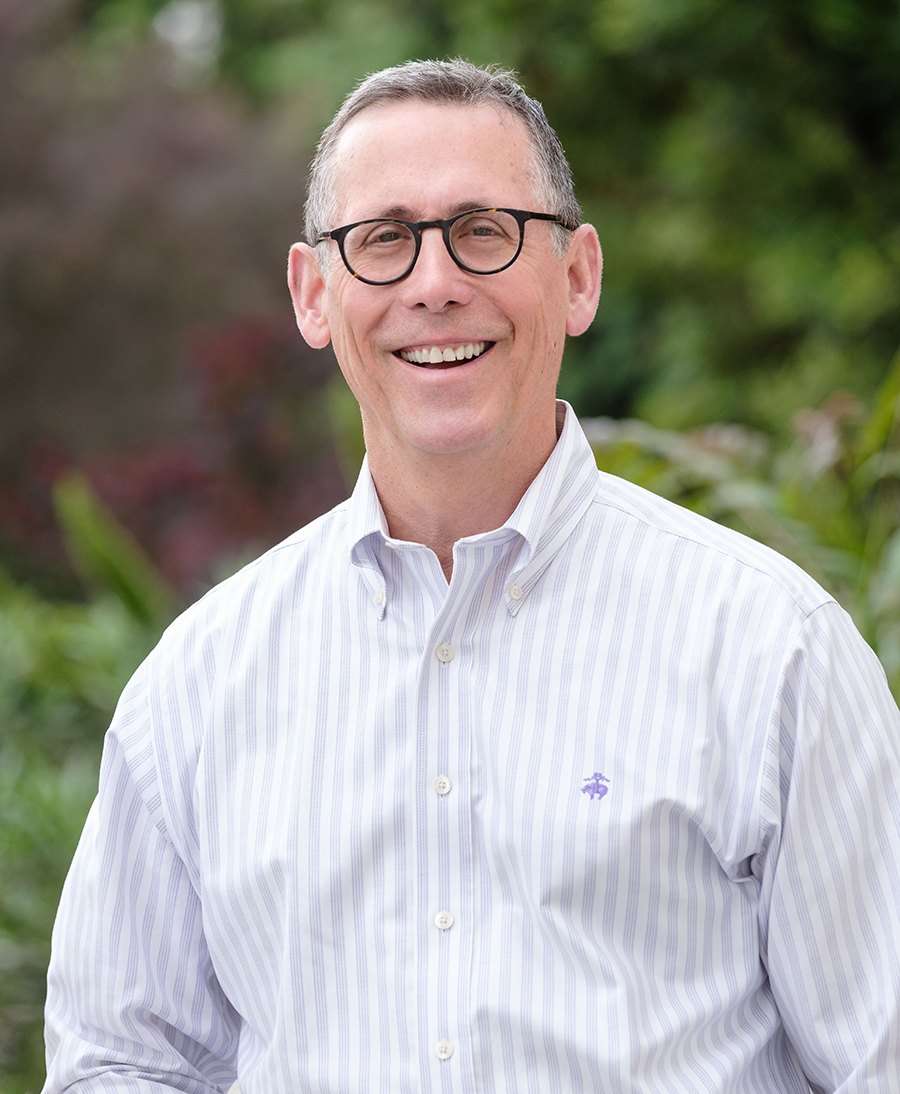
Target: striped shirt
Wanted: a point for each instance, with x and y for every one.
(615, 810)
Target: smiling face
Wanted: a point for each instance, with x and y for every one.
(444, 361)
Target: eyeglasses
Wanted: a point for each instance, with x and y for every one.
(480, 241)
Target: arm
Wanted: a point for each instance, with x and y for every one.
(832, 888)
(133, 1002)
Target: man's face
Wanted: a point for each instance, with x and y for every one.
(423, 161)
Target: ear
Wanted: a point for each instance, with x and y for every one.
(585, 268)
(307, 286)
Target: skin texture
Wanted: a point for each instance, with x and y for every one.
(451, 449)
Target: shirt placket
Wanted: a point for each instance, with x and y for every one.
(445, 853)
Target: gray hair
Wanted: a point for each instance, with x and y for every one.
(455, 82)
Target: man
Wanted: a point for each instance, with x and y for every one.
(504, 775)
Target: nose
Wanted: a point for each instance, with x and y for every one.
(436, 282)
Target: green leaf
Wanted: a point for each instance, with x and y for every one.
(346, 425)
(877, 430)
(107, 557)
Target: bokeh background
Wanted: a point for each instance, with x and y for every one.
(161, 421)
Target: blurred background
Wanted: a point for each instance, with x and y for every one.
(161, 421)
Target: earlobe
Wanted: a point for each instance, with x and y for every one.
(307, 287)
(585, 271)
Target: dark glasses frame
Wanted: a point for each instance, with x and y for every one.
(339, 235)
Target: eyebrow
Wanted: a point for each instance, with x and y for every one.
(403, 212)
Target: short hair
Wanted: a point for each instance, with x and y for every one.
(454, 82)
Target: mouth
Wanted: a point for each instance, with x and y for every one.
(443, 356)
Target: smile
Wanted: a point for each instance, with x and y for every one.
(439, 355)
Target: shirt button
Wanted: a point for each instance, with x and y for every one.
(515, 591)
(444, 920)
(442, 785)
(444, 1050)
(379, 597)
(444, 652)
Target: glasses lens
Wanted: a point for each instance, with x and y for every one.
(485, 241)
(380, 250)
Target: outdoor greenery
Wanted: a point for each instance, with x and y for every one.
(62, 667)
(161, 419)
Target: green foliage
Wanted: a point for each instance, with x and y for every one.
(62, 667)
(107, 557)
(346, 427)
(830, 499)
(42, 810)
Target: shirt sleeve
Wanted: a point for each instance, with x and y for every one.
(831, 932)
(133, 1002)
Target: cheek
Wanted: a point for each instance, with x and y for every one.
(547, 322)
(345, 307)
(543, 299)
(349, 337)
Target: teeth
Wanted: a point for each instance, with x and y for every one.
(435, 355)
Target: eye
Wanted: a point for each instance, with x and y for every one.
(384, 234)
(482, 228)
(479, 226)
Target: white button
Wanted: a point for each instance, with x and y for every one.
(444, 652)
(379, 597)
(444, 1050)
(444, 920)
(515, 591)
(442, 785)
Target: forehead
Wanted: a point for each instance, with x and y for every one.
(428, 160)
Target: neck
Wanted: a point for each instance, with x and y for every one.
(439, 498)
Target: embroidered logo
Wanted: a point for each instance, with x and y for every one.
(595, 785)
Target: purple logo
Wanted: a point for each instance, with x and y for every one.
(595, 785)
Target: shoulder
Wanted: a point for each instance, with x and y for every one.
(319, 545)
(312, 556)
(703, 545)
(203, 671)
(244, 617)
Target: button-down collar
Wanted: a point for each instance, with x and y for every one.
(545, 517)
